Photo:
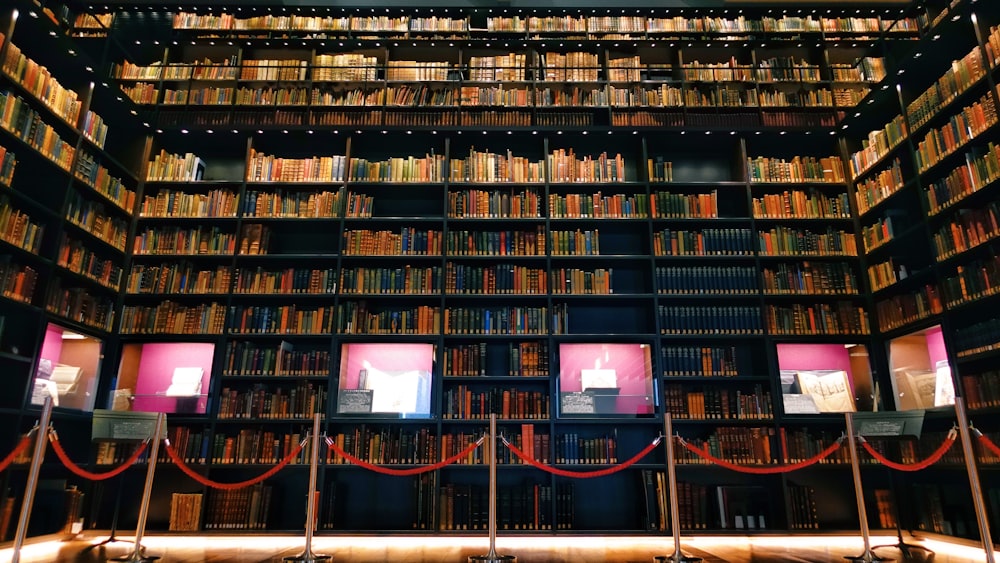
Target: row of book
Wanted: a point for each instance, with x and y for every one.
(93, 218)
(977, 338)
(531, 24)
(842, 317)
(961, 128)
(497, 279)
(287, 319)
(17, 282)
(17, 229)
(38, 80)
(403, 280)
(717, 403)
(703, 507)
(717, 280)
(474, 403)
(801, 205)
(76, 257)
(706, 242)
(798, 169)
(169, 317)
(879, 233)
(524, 359)
(729, 319)
(257, 446)
(260, 402)
(249, 358)
(506, 320)
(169, 240)
(180, 278)
(176, 203)
(830, 278)
(968, 229)
(981, 169)
(786, 241)
(517, 243)
(877, 145)
(598, 206)
(899, 310)
(959, 77)
(485, 204)
(18, 118)
(973, 280)
(7, 163)
(88, 170)
(702, 361)
(878, 187)
(77, 305)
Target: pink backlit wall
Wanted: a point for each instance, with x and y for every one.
(156, 369)
(632, 366)
(52, 345)
(384, 357)
(814, 356)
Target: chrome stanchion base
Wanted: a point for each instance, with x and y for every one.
(494, 558)
(307, 557)
(137, 556)
(910, 552)
(867, 557)
(675, 559)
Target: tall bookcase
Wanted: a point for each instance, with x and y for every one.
(503, 187)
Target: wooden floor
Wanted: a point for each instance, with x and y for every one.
(443, 549)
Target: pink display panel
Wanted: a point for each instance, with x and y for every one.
(169, 377)
(609, 379)
(387, 378)
(67, 369)
(819, 378)
(921, 375)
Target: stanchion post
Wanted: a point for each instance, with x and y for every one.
(867, 556)
(977, 490)
(492, 556)
(41, 439)
(307, 555)
(138, 552)
(675, 521)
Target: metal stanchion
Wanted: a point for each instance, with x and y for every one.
(307, 555)
(41, 439)
(675, 520)
(492, 556)
(138, 552)
(867, 556)
(977, 491)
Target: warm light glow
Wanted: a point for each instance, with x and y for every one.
(843, 544)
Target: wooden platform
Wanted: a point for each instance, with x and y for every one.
(457, 549)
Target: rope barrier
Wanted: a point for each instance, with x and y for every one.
(403, 472)
(231, 486)
(18, 450)
(81, 472)
(582, 474)
(982, 438)
(931, 460)
(762, 470)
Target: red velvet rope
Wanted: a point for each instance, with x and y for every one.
(931, 460)
(402, 472)
(982, 438)
(81, 472)
(18, 450)
(231, 486)
(582, 474)
(763, 470)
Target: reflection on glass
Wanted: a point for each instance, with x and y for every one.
(921, 376)
(170, 377)
(386, 378)
(67, 369)
(820, 378)
(606, 379)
